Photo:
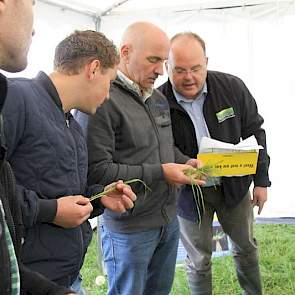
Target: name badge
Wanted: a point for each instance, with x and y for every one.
(225, 114)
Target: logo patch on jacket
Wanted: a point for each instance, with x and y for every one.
(225, 114)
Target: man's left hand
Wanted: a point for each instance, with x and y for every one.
(259, 197)
(120, 199)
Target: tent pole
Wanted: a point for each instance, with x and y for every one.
(97, 23)
(67, 7)
(115, 5)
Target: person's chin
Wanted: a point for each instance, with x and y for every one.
(150, 83)
(91, 111)
(189, 94)
(17, 66)
(149, 86)
(99, 105)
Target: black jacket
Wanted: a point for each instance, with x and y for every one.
(31, 282)
(224, 91)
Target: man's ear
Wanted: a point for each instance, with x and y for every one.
(125, 52)
(93, 68)
(166, 65)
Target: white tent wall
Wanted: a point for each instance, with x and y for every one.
(51, 24)
(256, 44)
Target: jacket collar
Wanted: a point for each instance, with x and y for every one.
(3, 93)
(3, 90)
(119, 83)
(167, 90)
(134, 86)
(48, 85)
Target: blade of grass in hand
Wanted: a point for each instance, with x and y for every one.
(113, 188)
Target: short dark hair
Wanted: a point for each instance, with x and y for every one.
(80, 48)
(190, 35)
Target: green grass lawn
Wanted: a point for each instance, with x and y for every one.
(277, 262)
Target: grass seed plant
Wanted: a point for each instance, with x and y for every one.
(204, 172)
(112, 188)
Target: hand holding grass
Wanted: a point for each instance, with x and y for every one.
(175, 174)
(118, 197)
(71, 211)
(198, 171)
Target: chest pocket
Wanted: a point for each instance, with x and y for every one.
(163, 119)
(160, 111)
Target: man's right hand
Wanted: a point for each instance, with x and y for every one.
(119, 200)
(72, 211)
(174, 174)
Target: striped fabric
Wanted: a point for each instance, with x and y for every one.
(15, 278)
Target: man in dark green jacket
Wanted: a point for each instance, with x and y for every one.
(197, 98)
(129, 137)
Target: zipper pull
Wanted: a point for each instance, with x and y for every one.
(67, 117)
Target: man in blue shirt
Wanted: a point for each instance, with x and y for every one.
(196, 97)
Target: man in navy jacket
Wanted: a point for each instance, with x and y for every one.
(47, 152)
(197, 99)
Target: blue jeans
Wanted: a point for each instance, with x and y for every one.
(140, 263)
(77, 286)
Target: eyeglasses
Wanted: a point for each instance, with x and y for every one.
(192, 71)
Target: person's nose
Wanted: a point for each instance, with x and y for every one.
(159, 70)
(188, 74)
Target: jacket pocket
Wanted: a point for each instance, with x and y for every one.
(54, 251)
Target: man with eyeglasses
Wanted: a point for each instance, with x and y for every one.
(196, 96)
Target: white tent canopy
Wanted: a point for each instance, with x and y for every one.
(251, 39)
(120, 7)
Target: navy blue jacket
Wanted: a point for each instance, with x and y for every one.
(224, 91)
(47, 152)
(31, 282)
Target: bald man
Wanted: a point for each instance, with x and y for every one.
(131, 137)
(198, 100)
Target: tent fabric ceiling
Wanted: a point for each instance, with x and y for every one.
(102, 8)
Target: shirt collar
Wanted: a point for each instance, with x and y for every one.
(180, 97)
(134, 86)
